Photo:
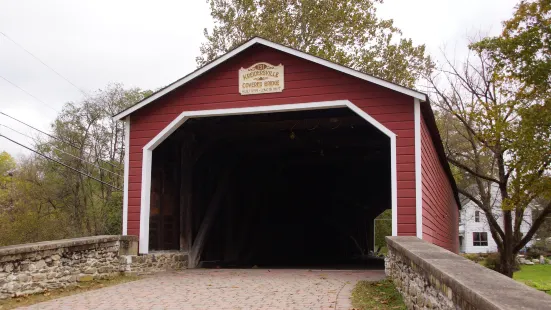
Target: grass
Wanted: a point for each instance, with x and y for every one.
(380, 295)
(62, 292)
(536, 276)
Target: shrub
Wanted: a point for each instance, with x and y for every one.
(535, 252)
(475, 257)
(492, 261)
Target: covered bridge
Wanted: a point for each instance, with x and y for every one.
(269, 155)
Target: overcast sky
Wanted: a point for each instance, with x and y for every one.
(149, 44)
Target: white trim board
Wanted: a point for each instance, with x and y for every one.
(126, 174)
(279, 47)
(418, 171)
(176, 123)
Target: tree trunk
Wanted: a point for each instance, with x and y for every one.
(507, 257)
(507, 262)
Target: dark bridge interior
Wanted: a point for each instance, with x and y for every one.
(280, 189)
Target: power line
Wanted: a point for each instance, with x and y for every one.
(49, 135)
(55, 148)
(43, 63)
(60, 163)
(26, 92)
(56, 138)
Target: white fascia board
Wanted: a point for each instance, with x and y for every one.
(343, 69)
(418, 171)
(126, 175)
(184, 80)
(279, 47)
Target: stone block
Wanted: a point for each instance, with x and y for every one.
(32, 267)
(23, 278)
(85, 278)
(128, 247)
(90, 270)
(8, 267)
(105, 269)
(12, 286)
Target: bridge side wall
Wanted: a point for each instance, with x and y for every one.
(36, 267)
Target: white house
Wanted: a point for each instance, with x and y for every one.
(474, 230)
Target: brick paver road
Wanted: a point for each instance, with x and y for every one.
(224, 289)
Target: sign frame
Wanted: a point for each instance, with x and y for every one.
(261, 78)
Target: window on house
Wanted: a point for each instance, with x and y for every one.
(480, 239)
(477, 216)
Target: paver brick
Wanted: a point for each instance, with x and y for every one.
(232, 289)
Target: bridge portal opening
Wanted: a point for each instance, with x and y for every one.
(278, 189)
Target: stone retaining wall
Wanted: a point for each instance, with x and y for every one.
(430, 277)
(37, 267)
(154, 262)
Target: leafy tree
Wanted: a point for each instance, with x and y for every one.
(499, 126)
(522, 53)
(347, 32)
(7, 166)
(31, 216)
(96, 146)
(51, 201)
(544, 232)
(383, 228)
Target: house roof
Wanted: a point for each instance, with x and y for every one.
(426, 109)
(401, 89)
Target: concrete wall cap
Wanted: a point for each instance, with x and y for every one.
(475, 283)
(57, 244)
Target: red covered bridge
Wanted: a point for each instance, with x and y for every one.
(268, 155)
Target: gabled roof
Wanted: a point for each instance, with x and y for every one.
(401, 89)
(426, 109)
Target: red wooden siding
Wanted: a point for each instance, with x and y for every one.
(440, 212)
(304, 82)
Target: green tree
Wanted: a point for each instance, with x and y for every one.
(347, 32)
(498, 130)
(30, 214)
(544, 232)
(7, 167)
(383, 228)
(522, 53)
(51, 201)
(93, 143)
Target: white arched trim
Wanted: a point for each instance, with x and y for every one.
(176, 123)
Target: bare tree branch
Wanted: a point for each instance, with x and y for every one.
(534, 228)
(469, 170)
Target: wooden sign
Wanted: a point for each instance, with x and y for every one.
(261, 78)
